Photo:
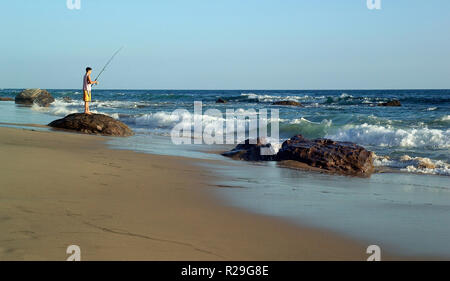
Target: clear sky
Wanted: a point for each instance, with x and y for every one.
(227, 44)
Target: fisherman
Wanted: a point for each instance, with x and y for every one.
(87, 82)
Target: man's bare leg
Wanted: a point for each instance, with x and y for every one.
(86, 107)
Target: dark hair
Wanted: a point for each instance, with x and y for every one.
(88, 68)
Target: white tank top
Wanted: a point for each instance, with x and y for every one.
(86, 85)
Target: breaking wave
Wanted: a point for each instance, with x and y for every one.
(273, 98)
(168, 120)
(419, 165)
(58, 107)
(389, 136)
(62, 108)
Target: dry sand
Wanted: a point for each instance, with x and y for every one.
(59, 189)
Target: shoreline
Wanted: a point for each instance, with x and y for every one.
(63, 188)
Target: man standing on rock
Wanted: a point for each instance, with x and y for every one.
(87, 82)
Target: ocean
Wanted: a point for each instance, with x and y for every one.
(405, 208)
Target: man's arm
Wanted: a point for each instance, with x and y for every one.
(90, 81)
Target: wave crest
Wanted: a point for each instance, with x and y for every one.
(375, 135)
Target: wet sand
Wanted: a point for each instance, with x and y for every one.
(59, 189)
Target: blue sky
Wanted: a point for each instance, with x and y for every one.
(227, 44)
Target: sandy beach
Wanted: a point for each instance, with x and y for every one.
(60, 189)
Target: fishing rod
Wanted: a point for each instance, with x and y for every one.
(109, 61)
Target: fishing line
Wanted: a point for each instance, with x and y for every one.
(109, 61)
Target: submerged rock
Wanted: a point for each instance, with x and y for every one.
(251, 151)
(67, 99)
(287, 102)
(93, 124)
(35, 96)
(220, 100)
(390, 103)
(320, 154)
(6, 99)
(419, 162)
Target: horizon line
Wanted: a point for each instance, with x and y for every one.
(248, 89)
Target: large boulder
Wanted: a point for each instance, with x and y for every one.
(35, 96)
(6, 99)
(251, 151)
(333, 156)
(93, 124)
(390, 103)
(287, 102)
(319, 155)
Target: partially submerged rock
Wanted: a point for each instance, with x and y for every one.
(287, 102)
(6, 99)
(334, 156)
(35, 96)
(67, 99)
(320, 154)
(220, 100)
(93, 124)
(251, 151)
(390, 103)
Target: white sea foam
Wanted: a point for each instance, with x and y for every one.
(58, 107)
(345, 95)
(445, 118)
(302, 120)
(115, 116)
(168, 120)
(159, 119)
(120, 104)
(443, 171)
(366, 134)
(102, 104)
(63, 108)
(421, 165)
(272, 98)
